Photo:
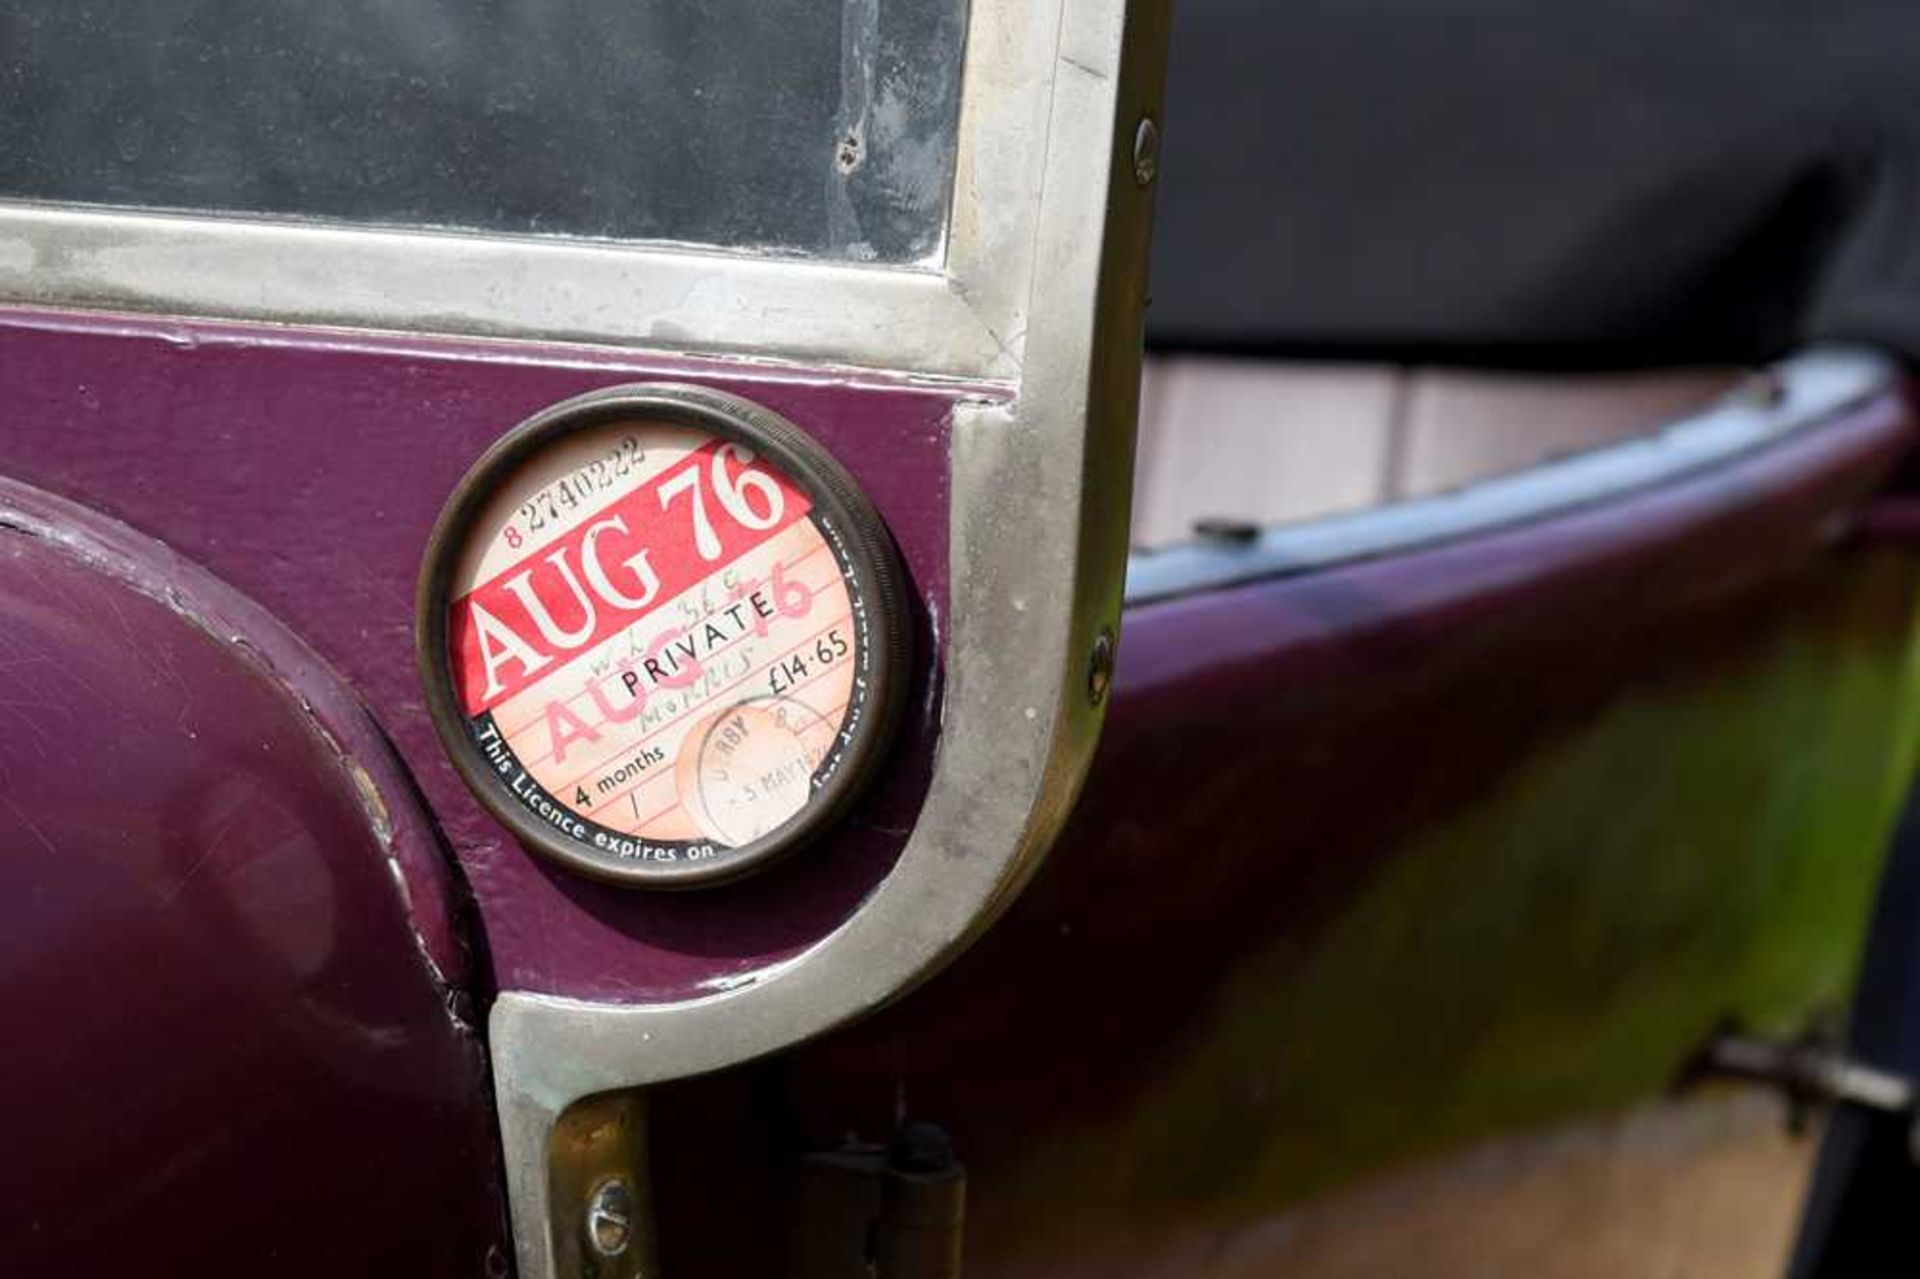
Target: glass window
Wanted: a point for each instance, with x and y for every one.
(822, 127)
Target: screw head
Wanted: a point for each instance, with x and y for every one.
(1763, 390)
(1146, 151)
(920, 1147)
(1100, 666)
(610, 1217)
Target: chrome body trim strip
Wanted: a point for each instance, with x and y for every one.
(494, 286)
(1795, 395)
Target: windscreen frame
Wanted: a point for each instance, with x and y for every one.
(964, 318)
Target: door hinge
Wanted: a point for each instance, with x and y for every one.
(873, 1212)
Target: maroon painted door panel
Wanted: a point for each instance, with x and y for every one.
(307, 468)
(1399, 895)
(234, 1041)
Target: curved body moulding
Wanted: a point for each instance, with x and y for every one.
(232, 978)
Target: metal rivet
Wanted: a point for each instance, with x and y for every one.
(1763, 390)
(1146, 151)
(610, 1217)
(1224, 529)
(921, 1148)
(1100, 666)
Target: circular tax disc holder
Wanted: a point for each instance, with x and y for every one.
(662, 635)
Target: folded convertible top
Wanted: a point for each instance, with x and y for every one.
(1505, 181)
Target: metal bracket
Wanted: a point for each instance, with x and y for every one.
(602, 1226)
(1807, 1071)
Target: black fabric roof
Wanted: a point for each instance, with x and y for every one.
(1514, 181)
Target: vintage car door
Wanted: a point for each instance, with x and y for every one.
(276, 276)
(563, 562)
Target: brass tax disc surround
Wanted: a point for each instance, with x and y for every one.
(663, 636)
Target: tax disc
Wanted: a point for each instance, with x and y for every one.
(663, 635)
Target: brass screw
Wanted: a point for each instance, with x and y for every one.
(1146, 151)
(1100, 666)
(610, 1217)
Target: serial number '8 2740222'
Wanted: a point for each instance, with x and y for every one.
(617, 561)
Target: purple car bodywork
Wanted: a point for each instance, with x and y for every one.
(241, 960)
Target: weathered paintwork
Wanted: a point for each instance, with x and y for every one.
(227, 951)
(1383, 862)
(307, 469)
